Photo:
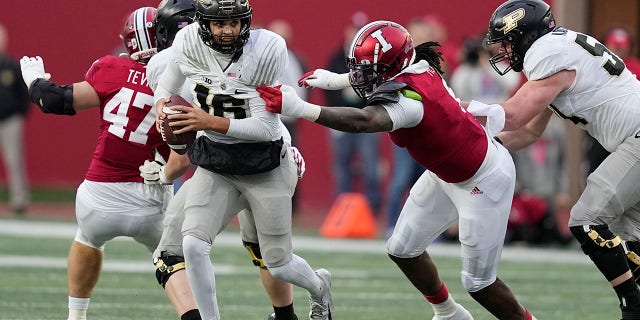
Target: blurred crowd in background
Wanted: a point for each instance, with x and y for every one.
(541, 202)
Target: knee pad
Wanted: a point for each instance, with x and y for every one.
(595, 238)
(166, 266)
(604, 248)
(254, 252)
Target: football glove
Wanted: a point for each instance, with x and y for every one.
(494, 113)
(153, 172)
(324, 79)
(32, 69)
(299, 160)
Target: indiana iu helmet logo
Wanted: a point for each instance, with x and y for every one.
(386, 46)
(511, 20)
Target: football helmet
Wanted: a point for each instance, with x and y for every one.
(519, 23)
(223, 10)
(379, 51)
(139, 34)
(172, 16)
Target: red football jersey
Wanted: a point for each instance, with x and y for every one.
(448, 141)
(127, 134)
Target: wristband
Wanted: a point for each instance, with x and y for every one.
(342, 81)
(311, 112)
(163, 177)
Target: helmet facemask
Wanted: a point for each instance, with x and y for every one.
(379, 51)
(216, 43)
(517, 25)
(223, 10)
(508, 54)
(364, 77)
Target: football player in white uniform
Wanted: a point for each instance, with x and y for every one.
(574, 76)
(238, 155)
(168, 257)
(470, 177)
(112, 200)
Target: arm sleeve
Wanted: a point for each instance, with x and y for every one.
(261, 126)
(405, 113)
(170, 82)
(154, 70)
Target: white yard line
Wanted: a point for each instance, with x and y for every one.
(48, 229)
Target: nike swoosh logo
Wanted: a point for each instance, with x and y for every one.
(637, 135)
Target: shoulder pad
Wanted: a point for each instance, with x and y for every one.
(386, 92)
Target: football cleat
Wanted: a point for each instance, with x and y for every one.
(322, 309)
(459, 314)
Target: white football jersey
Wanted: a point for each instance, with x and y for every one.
(227, 88)
(604, 98)
(157, 64)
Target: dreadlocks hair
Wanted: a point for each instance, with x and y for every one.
(426, 51)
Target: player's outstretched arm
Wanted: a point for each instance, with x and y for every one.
(284, 100)
(324, 79)
(527, 134)
(51, 97)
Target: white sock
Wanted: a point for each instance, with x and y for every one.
(78, 308)
(201, 276)
(299, 272)
(449, 306)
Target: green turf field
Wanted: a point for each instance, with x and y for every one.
(366, 285)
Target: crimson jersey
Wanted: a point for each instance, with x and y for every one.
(127, 134)
(448, 141)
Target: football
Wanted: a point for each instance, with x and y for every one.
(179, 143)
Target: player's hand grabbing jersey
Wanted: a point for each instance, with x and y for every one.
(226, 88)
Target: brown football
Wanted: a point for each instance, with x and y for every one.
(179, 143)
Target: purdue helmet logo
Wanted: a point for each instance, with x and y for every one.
(511, 20)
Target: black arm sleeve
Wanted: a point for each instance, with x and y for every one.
(52, 98)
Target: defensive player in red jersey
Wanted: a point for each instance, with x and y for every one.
(470, 177)
(112, 200)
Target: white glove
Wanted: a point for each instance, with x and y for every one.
(324, 79)
(32, 69)
(153, 172)
(299, 160)
(294, 106)
(494, 113)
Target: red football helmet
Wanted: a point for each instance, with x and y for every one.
(139, 33)
(379, 51)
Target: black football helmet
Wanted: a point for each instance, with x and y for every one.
(520, 23)
(223, 10)
(172, 15)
